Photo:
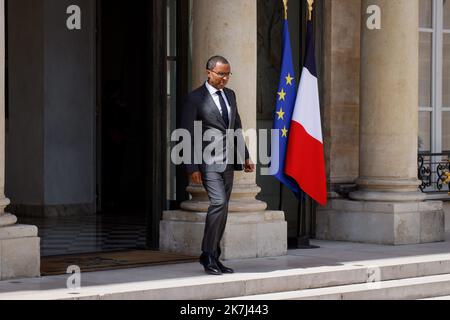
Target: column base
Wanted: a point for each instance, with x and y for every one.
(389, 223)
(242, 199)
(247, 235)
(19, 252)
(7, 219)
(386, 196)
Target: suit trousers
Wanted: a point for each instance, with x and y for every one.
(219, 187)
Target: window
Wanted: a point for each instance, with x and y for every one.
(434, 93)
(434, 76)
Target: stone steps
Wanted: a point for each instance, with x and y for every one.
(404, 289)
(438, 298)
(415, 277)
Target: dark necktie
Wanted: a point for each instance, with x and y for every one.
(223, 107)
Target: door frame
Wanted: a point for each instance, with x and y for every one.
(183, 88)
(156, 152)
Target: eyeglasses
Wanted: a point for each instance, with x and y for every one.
(221, 74)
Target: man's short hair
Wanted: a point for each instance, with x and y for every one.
(213, 61)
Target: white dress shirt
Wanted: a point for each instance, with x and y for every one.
(214, 95)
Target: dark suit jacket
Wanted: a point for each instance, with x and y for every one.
(200, 106)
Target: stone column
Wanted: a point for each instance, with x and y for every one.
(341, 99)
(389, 105)
(228, 28)
(19, 244)
(389, 207)
(6, 219)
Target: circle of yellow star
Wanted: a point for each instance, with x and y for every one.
(289, 79)
(281, 114)
(285, 132)
(282, 95)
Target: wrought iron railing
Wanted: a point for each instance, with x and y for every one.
(432, 172)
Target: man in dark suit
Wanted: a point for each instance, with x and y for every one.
(215, 107)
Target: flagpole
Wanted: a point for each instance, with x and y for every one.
(280, 203)
(305, 203)
(306, 230)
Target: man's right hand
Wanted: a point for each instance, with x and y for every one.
(196, 177)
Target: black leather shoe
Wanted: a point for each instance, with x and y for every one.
(208, 262)
(223, 268)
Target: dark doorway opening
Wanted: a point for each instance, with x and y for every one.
(123, 55)
(131, 113)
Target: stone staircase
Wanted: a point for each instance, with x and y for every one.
(419, 277)
(403, 289)
(426, 278)
(337, 270)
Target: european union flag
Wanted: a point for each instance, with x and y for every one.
(286, 97)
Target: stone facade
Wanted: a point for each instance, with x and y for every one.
(369, 100)
(387, 206)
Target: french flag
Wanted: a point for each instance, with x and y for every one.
(305, 161)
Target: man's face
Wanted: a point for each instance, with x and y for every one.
(219, 76)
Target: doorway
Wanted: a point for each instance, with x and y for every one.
(121, 124)
(131, 115)
(124, 135)
(104, 185)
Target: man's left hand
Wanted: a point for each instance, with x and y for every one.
(249, 166)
